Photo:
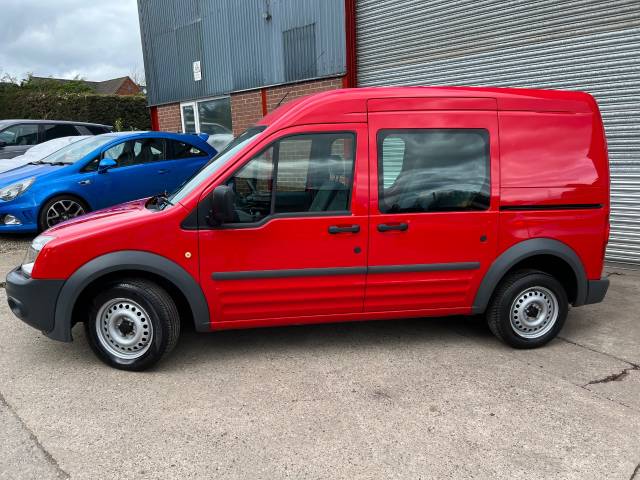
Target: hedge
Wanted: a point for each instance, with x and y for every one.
(123, 112)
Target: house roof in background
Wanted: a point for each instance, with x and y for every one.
(105, 87)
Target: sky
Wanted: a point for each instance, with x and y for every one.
(93, 39)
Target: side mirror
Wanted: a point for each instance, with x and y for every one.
(3, 144)
(106, 164)
(222, 205)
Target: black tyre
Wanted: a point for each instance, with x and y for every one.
(61, 208)
(132, 324)
(528, 309)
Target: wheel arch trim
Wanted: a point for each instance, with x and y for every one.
(123, 261)
(521, 251)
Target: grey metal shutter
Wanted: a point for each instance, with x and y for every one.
(589, 45)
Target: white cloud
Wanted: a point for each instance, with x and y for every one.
(96, 40)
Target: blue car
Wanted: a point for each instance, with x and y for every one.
(95, 173)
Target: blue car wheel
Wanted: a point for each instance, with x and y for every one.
(61, 208)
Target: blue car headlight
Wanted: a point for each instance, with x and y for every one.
(15, 189)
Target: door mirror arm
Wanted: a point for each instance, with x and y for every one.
(222, 205)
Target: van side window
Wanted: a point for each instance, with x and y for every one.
(314, 173)
(253, 185)
(433, 170)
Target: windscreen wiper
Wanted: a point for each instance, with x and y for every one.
(161, 200)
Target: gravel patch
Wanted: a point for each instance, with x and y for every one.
(14, 243)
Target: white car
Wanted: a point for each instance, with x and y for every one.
(38, 152)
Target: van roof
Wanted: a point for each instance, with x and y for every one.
(353, 104)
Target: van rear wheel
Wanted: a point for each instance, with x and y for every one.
(528, 309)
(132, 324)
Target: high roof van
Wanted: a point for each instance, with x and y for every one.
(356, 204)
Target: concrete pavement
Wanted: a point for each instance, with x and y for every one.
(432, 398)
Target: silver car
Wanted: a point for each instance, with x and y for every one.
(17, 136)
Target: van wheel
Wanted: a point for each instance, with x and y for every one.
(61, 208)
(132, 324)
(528, 309)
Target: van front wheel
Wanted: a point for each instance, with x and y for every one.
(132, 324)
(528, 309)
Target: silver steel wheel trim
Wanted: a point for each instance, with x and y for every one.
(124, 328)
(63, 210)
(534, 312)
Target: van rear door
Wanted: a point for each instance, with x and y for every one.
(434, 209)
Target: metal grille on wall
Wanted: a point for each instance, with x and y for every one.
(589, 45)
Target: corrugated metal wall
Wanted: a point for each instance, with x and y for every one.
(590, 45)
(239, 43)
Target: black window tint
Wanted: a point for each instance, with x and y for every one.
(314, 174)
(96, 130)
(61, 130)
(178, 150)
(433, 170)
(22, 134)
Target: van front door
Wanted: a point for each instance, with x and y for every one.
(434, 202)
(297, 248)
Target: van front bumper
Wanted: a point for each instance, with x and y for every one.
(33, 300)
(596, 290)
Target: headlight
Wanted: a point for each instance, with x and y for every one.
(32, 253)
(15, 189)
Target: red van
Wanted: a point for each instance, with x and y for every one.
(357, 204)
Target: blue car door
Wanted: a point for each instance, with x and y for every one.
(138, 167)
(183, 160)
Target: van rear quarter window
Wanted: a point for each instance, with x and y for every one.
(433, 170)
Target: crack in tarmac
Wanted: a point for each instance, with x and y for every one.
(48, 457)
(614, 377)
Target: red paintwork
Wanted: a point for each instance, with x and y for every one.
(546, 148)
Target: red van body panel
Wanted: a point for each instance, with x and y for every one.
(549, 180)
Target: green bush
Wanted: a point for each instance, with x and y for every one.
(130, 112)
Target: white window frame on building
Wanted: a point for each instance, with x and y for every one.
(221, 134)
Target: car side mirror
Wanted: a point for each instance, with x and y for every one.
(222, 205)
(3, 144)
(106, 164)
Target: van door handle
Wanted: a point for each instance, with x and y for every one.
(352, 229)
(84, 182)
(162, 171)
(402, 227)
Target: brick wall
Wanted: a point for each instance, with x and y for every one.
(169, 117)
(297, 90)
(246, 107)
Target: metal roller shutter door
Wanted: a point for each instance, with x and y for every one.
(590, 45)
